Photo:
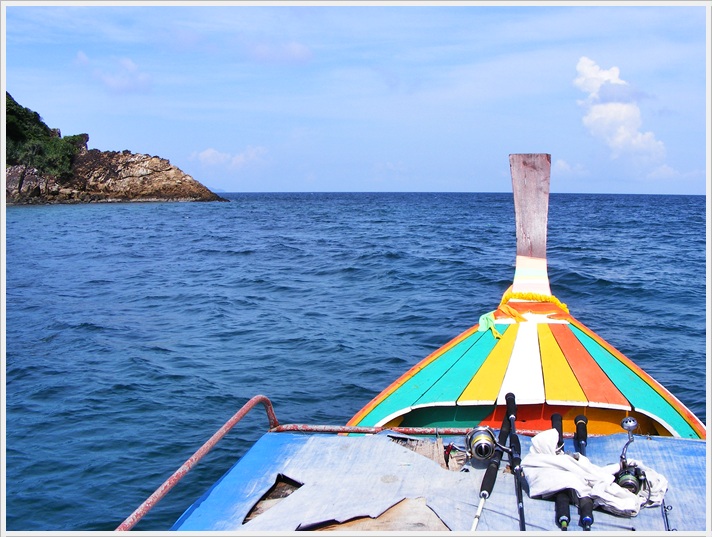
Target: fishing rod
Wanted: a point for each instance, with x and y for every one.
(586, 512)
(562, 499)
(480, 442)
(581, 436)
(585, 502)
(515, 456)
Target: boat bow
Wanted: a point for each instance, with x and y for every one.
(531, 346)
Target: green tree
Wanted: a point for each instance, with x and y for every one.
(32, 144)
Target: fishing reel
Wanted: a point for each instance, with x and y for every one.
(630, 477)
(481, 443)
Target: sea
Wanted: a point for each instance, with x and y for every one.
(135, 330)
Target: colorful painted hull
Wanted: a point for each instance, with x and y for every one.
(550, 360)
(532, 347)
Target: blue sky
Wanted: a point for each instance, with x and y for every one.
(376, 98)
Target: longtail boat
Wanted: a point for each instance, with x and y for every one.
(527, 421)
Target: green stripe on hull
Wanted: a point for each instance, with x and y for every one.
(406, 395)
(639, 393)
(447, 416)
(449, 387)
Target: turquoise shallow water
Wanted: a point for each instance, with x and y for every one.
(134, 331)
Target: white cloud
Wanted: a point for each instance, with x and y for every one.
(592, 77)
(612, 113)
(251, 154)
(664, 172)
(564, 168)
(126, 77)
(618, 124)
(120, 75)
(213, 157)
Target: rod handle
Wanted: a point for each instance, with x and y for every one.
(563, 512)
(516, 448)
(557, 423)
(511, 406)
(490, 475)
(504, 431)
(581, 433)
(586, 513)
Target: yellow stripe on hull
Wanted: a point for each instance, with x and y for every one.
(560, 383)
(484, 387)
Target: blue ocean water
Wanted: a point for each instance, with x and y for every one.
(134, 331)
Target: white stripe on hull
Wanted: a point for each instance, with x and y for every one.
(524, 377)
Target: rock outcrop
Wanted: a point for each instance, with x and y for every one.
(107, 176)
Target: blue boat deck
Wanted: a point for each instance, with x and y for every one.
(375, 482)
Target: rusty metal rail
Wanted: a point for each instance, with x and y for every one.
(415, 431)
(169, 483)
(274, 427)
(349, 429)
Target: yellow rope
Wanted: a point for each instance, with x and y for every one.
(533, 297)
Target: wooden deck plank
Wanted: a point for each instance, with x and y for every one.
(637, 390)
(524, 377)
(450, 386)
(402, 399)
(360, 418)
(596, 385)
(560, 383)
(484, 387)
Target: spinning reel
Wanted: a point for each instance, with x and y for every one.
(630, 477)
(481, 443)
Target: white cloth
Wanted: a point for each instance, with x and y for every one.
(547, 472)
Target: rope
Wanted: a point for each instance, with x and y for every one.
(533, 297)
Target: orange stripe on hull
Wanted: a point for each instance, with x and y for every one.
(599, 389)
(560, 382)
(543, 308)
(685, 412)
(532, 419)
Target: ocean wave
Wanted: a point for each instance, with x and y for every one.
(129, 344)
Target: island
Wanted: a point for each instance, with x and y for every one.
(44, 167)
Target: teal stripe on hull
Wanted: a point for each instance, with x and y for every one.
(406, 395)
(638, 392)
(447, 416)
(453, 382)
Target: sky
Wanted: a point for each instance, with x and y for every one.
(414, 98)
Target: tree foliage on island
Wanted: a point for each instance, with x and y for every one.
(32, 144)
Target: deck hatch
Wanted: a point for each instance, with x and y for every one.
(283, 487)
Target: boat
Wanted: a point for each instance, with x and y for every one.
(527, 421)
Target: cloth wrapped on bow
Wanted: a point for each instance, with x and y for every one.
(547, 473)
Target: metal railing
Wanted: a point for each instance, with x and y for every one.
(275, 427)
(171, 482)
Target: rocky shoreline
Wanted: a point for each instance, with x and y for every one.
(106, 177)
